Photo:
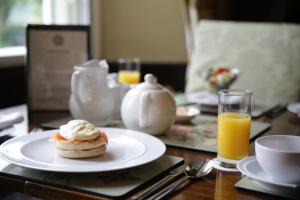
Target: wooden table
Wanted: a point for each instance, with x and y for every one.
(218, 185)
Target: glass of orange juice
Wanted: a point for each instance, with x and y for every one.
(234, 123)
(129, 71)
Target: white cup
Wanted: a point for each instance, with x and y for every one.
(279, 157)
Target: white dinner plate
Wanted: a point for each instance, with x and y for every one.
(203, 98)
(206, 98)
(126, 148)
(250, 167)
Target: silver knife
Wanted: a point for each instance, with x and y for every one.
(172, 176)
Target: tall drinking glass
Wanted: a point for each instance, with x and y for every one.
(129, 71)
(234, 122)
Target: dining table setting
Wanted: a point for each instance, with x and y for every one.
(157, 145)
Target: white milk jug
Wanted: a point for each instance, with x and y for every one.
(91, 98)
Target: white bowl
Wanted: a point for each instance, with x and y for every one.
(186, 113)
(279, 157)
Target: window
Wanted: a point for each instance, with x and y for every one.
(16, 14)
(13, 16)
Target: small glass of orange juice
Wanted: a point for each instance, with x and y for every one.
(234, 123)
(129, 71)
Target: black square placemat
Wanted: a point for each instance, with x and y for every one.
(112, 184)
(252, 185)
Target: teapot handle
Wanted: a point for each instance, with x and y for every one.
(74, 87)
(144, 109)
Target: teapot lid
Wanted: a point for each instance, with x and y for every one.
(150, 83)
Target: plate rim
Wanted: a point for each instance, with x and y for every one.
(44, 167)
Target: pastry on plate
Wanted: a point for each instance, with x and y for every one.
(80, 139)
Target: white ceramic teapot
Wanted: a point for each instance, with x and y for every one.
(91, 98)
(148, 107)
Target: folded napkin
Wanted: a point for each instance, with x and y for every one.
(7, 120)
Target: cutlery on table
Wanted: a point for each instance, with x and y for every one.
(195, 170)
(172, 176)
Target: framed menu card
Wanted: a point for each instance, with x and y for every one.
(52, 52)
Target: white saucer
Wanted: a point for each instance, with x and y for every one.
(294, 108)
(186, 113)
(250, 167)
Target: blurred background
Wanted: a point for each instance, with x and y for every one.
(155, 31)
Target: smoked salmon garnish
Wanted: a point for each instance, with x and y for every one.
(57, 137)
(104, 137)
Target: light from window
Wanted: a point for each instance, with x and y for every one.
(16, 14)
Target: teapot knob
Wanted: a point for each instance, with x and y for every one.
(150, 78)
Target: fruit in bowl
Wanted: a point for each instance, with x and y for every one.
(220, 78)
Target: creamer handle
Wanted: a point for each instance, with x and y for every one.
(144, 109)
(75, 87)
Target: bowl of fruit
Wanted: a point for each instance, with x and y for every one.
(220, 78)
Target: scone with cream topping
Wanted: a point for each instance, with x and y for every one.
(80, 139)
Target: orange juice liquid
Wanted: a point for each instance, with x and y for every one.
(233, 135)
(129, 77)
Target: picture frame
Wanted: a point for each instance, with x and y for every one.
(52, 53)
